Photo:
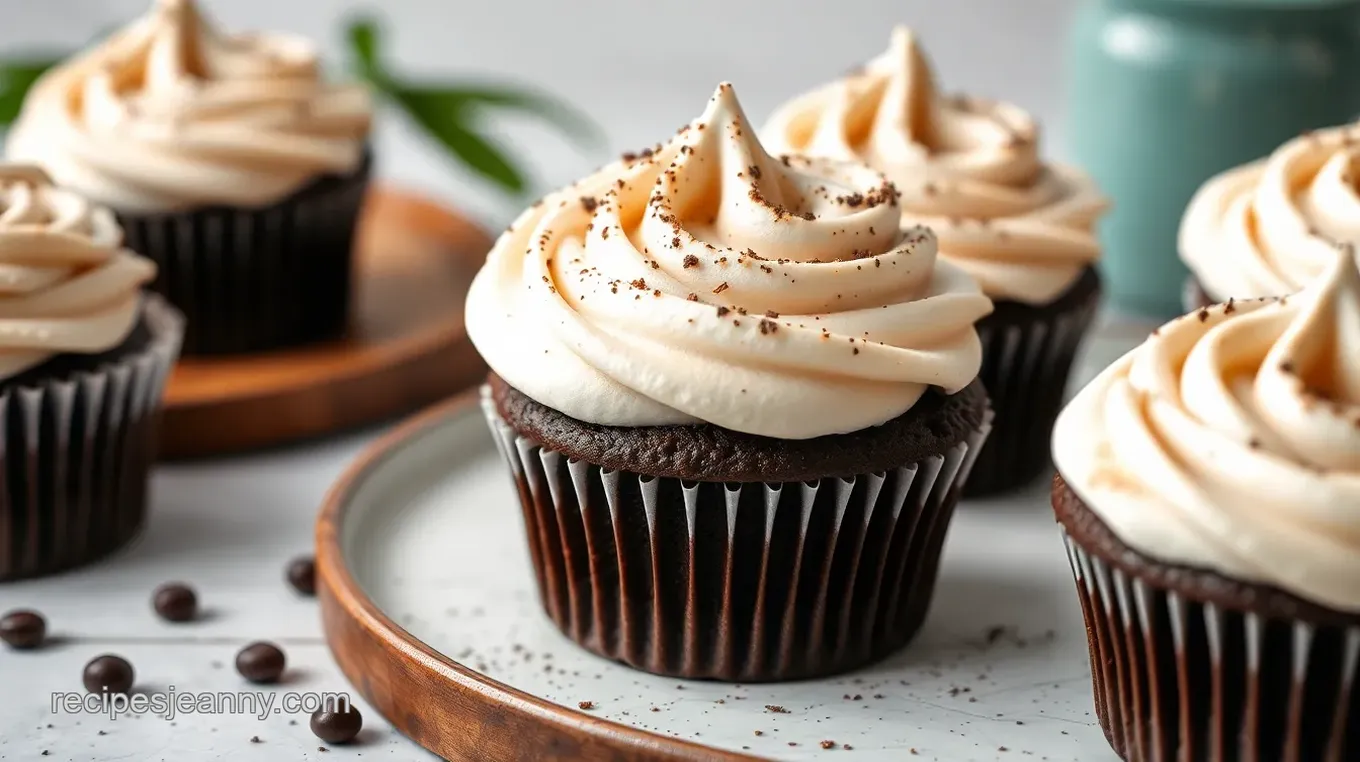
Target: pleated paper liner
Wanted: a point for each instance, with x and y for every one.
(251, 280)
(735, 581)
(1027, 357)
(77, 452)
(1193, 675)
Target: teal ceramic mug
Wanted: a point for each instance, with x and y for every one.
(1163, 94)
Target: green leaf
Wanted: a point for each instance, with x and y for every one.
(566, 118)
(363, 35)
(16, 77)
(442, 118)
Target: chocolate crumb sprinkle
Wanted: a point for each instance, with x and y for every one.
(587, 705)
(721, 288)
(828, 744)
(722, 311)
(690, 261)
(776, 709)
(754, 172)
(589, 203)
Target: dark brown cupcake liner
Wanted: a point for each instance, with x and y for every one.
(735, 581)
(252, 280)
(1189, 676)
(1027, 357)
(76, 456)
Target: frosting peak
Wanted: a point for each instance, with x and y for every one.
(708, 281)
(1230, 440)
(169, 113)
(1270, 227)
(66, 283)
(967, 167)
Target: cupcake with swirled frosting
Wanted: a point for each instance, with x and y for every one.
(1209, 493)
(1270, 227)
(714, 370)
(83, 358)
(970, 169)
(230, 162)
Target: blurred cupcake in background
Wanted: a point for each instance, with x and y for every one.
(83, 359)
(1270, 227)
(229, 161)
(970, 170)
(739, 402)
(1209, 492)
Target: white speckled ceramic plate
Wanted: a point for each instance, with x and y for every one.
(431, 610)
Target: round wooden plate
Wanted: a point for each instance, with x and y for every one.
(450, 709)
(407, 345)
(430, 608)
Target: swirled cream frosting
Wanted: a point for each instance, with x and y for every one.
(966, 167)
(707, 281)
(169, 114)
(66, 282)
(1270, 227)
(1230, 440)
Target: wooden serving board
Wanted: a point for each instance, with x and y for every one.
(407, 346)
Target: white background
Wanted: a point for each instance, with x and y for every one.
(642, 68)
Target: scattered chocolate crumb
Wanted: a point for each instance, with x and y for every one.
(847, 747)
(828, 744)
(776, 709)
(878, 695)
(604, 233)
(722, 311)
(755, 172)
(675, 242)
(589, 203)
(692, 297)
(1229, 308)
(759, 732)
(721, 288)
(691, 261)
(1287, 367)
(771, 314)
(654, 709)
(255, 739)
(994, 634)
(1203, 314)
(639, 284)
(586, 705)
(1254, 443)
(768, 326)
(809, 216)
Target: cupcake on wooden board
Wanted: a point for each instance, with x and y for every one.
(1209, 494)
(83, 359)
(738, 401)
(970, 169)
(229, 161)
(1270, 227)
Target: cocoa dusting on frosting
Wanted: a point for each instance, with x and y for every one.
(1224, 442)
(961, 158)
(716, 196)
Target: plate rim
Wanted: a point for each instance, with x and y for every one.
(444, 706)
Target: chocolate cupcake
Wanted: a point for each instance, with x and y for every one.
(738, 401)
(229, 161)
(1209, 496)
(970, 170)
(1270, 227)
(84, 360)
